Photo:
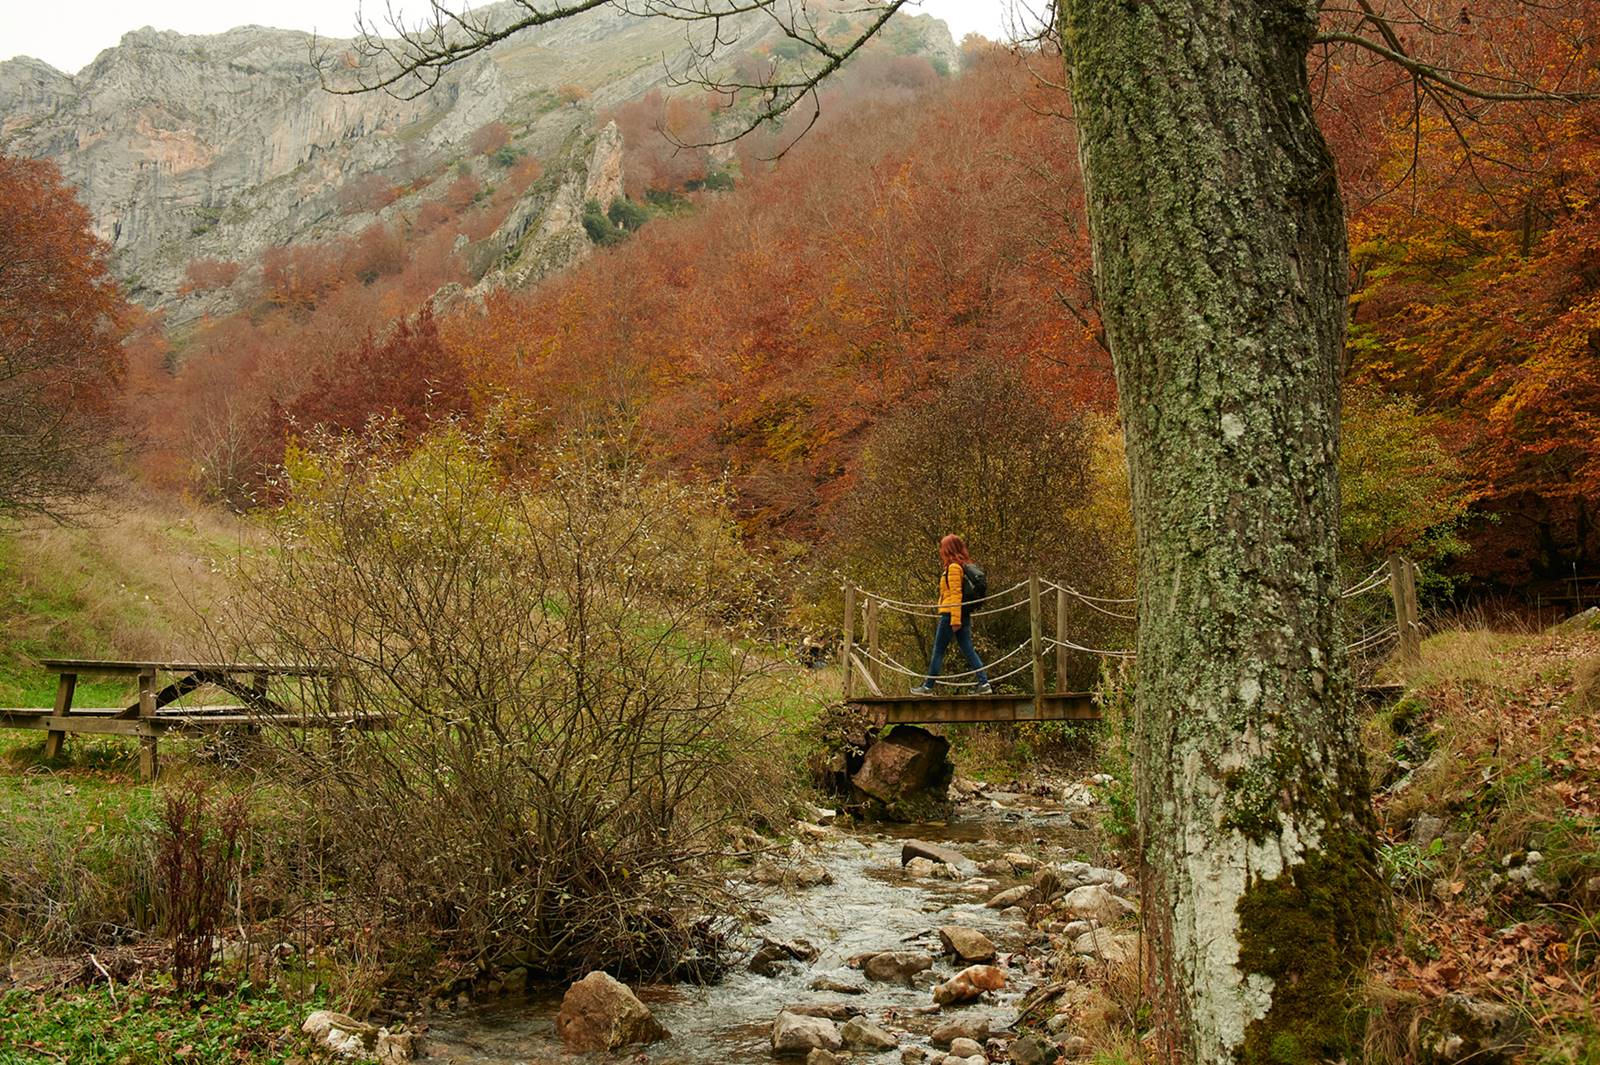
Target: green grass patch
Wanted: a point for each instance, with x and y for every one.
(136, 1026)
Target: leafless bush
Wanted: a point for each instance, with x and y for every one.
(197, 859)
(567, 739)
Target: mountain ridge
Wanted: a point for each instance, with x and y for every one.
(221, 146)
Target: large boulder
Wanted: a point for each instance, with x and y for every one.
(600, 1013)
(905, 775)
(793, 1033)
(967, 944)
(896, 966)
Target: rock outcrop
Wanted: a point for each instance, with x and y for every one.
(221, 146)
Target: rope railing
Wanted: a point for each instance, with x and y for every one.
(870, 660)
(1375, 579)
(903, 606)
(1382, 636)
(1102, 652)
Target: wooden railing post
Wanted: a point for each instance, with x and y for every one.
(1036, 622)
(1061, 639)
(874, 670)
(1403, 590)
(846, 659)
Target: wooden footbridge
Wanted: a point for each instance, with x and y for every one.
(868, 667)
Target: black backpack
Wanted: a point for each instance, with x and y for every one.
(974, 585)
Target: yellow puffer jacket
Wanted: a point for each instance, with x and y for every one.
(950, 593)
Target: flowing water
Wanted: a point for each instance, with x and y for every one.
(872, 905)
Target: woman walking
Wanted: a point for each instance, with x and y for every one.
(955, 615)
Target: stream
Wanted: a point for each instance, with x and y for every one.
(873, 904)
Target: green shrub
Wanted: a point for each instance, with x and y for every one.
(627, 215)
(601, 230)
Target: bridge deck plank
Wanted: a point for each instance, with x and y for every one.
(955, 709)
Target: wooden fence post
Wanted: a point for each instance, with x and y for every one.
(1403, 590)
(874, 670)
(1036, 623)
(846, 658)
(149, 759)
(1061, 639)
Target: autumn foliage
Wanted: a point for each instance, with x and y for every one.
(1476, 245)
(62, 319)
(928, 226)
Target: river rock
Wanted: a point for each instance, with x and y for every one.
(1095, 902)
(772, 955)
(859, 1034)
(913, 1056)
(818, 1056)
(1019, 862)
(1009, 897)
(800, 874)
(896, 966)
(967, 944)
(837, 986)
(1032, 1050)
(392, 1048)
(973, 1028)
(340, 1033)
(1113, 948)
(600, 1013)
(833, 1011)
(916, 848)
(1075, 1046)
(922, 868)
(795, 1033)
(965, 1048)
(810, 874)
(969, 984)
(906, 773)
(1462, 1028)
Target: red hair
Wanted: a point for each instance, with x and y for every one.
(953, 549)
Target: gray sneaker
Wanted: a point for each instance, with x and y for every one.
(922, 689)
(984, 689)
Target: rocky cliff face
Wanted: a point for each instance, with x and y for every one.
(219, 147)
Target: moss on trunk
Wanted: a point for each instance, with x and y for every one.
(1221, 267)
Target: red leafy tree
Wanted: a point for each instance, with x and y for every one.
(62, 319)
(407, 376)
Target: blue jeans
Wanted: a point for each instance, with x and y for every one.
(941, 644)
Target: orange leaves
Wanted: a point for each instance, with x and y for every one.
(62, 321)
(203, 275)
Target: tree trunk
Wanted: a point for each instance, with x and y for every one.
(1220, 254)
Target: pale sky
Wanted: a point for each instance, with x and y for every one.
(68, 34)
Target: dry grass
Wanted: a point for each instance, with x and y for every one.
(136, 580)
(1500, 738)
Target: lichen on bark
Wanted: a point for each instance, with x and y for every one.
(1222, 273)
